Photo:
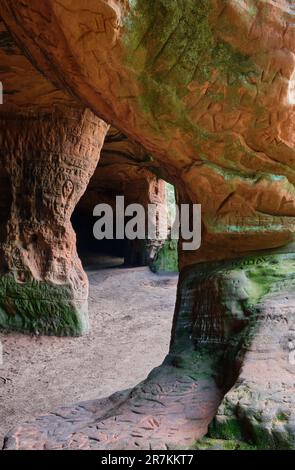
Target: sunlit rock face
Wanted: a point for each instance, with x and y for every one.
(207, 88)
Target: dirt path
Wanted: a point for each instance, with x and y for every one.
(131, 314)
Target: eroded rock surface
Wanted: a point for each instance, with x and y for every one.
(48, 160)
(207, 87)
(252, 314)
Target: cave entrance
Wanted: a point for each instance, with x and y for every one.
(93, 253)
(118, 252)
(125, 170)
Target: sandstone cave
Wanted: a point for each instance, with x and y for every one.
(142, 99)
(125, 170)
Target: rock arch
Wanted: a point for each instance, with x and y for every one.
(204, 87)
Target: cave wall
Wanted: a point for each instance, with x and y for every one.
(49, 147)
(47, 161)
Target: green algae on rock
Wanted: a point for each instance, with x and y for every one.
(41, 307)
(166, 259)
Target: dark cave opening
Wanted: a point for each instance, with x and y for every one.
(114, 251)
(96, 253)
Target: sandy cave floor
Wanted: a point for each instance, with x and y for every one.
(131, 313)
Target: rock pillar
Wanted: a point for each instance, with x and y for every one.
(47, 160)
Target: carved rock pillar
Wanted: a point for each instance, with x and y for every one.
(48, 159)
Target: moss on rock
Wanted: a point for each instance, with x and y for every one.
(222, 444)
(172, 43)
(166, 259)
(40, 307)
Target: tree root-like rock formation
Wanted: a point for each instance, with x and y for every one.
(207, 88)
